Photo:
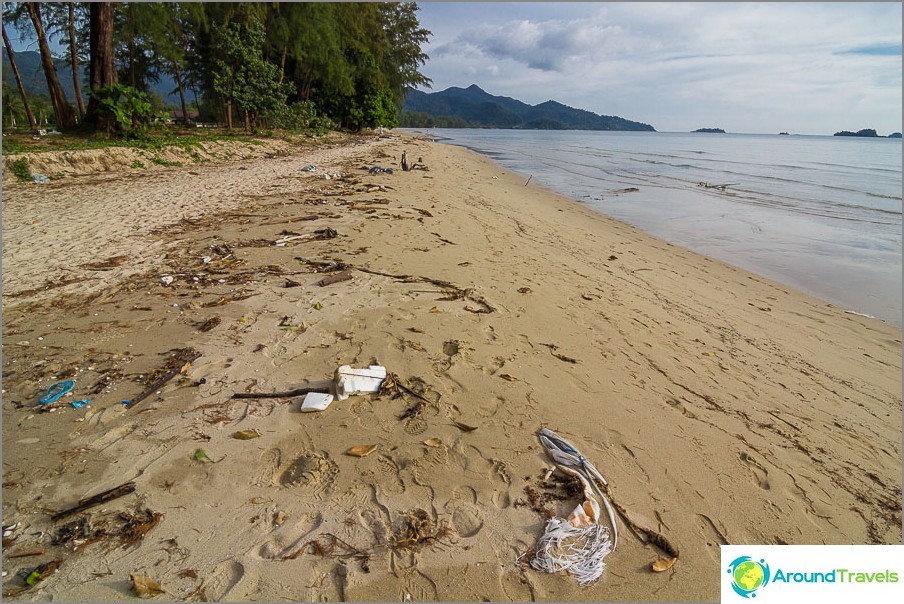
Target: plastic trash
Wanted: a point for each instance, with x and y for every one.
(81, 403)
(580, 543)
(309, 168)
(39, 178)
(378, 170)
(355, 381)
(166, 279)
(56, 391)
(316, 401)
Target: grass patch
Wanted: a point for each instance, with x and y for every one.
(137, 164)
(162, 162)
(20, 169)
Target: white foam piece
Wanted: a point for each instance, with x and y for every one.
(351, 381)
(316, 401)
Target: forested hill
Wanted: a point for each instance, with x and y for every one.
(29, 62)
(473, 107)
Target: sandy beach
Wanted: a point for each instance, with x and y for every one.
(720, 406)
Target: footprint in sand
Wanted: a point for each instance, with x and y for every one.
(760, 473)
(466, 515)
(388, 466)
(224, 578)
(269, 465)
(310, 471)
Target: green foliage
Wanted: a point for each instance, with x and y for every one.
(128, 109)
(20, 169)
(163, 162)
(137, 164)
(298, 116)
(241, 75)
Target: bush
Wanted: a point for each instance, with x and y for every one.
(20, 169)
(127, 109)
(298, 116)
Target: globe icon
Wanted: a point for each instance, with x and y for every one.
(748, 575)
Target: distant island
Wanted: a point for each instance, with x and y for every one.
(710, 130)
(866, 133)
(894, 135)
(784, 134)
(472, 107)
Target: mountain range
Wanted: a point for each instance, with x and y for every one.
(29, 64)
(473, 107)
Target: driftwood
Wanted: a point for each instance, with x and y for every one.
(84, 504)
(163, 380)
(287, 394)
(335, 278)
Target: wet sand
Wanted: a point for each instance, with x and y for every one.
(721, 407)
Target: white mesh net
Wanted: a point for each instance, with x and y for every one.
(579, 551)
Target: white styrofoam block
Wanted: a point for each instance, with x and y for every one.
(353, 381)
(316, 401)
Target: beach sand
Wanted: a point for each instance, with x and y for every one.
(720, 406)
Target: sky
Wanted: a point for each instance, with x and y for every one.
(804, 68)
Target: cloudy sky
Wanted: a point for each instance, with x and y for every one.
(807, 68)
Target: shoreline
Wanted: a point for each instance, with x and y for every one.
(862, 274)
(720, 406)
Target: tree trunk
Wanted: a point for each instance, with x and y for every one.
(282, 64)
(102, 69)
(12, 61)
(247, 121)
(61, 110)
(181, 92)
(132, 46)
(74, 55)
(229, 115)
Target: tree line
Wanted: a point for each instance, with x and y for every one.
(279, 64)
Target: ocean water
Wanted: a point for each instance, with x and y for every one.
(819, 213)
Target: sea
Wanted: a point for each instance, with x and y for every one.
(821, 214)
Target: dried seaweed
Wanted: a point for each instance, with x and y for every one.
(416, 529)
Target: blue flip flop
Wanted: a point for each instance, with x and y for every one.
(56, 391)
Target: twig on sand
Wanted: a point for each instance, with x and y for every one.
(159, 383)
(84, 504)
(287, 394)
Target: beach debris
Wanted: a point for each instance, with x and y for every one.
(578, 544)
(291, 283)
(26, 553)
(351, 381)
(433, 442)
(706, 185)
(379, 170)
(177, 364)
(463, 427)
(201, 456)
(404, 163)
(361, 450)
(245, 434)
(525, 290)
(663, 564)
(56, 391)
(309, 168)
(81, 403)
(553, 348)
(285, 394)
(106, 265)
(39, 178)
(416, 528)
(316, 401)
(89, 502)
(167, 279)
(43, 571)
(508, 378)
(280, 518)
(145, 586)
(335, 278)
(209, 324)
